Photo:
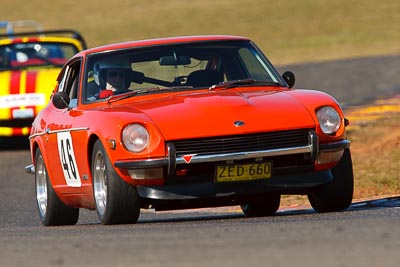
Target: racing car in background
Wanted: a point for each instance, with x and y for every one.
(30, 61)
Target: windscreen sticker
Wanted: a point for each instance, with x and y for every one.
(67, 159)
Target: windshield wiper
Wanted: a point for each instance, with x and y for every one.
(235, 83)
(129, 93)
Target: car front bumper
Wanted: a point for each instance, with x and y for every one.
(289, 176)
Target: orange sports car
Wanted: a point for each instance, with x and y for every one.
(184, 122)
(29, 64)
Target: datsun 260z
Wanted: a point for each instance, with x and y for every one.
(184, 122)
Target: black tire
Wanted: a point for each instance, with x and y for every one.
(52, 211)
(116, 201)
(338, 194)
(262, 206)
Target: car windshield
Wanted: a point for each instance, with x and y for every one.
(177, 67)
(35, 55)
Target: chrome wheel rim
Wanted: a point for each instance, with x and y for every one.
(100, 183)
(41, 186)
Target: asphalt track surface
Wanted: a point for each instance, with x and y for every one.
(351, 81)
(367, 234)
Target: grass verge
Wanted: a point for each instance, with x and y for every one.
(288, 31)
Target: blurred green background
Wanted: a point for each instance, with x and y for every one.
(287, 31)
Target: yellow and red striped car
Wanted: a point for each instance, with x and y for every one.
(29, 65)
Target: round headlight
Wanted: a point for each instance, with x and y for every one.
(135, 137)
(329, 119)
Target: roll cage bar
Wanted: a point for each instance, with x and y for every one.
(38, 32)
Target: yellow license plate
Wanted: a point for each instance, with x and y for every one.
(243, 172)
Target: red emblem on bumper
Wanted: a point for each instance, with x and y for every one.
(188, 158)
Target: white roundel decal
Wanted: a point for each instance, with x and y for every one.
(67, 159)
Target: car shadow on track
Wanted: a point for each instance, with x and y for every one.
(227, 214)
(388, 202)
(189, 217)
(210, 215)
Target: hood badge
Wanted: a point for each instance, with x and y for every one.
(238, 123)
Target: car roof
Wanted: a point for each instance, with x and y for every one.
(160, 41)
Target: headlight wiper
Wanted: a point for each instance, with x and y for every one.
(235, 83)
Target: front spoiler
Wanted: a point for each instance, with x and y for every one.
(296, 183)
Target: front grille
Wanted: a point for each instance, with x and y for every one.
(242, 143)
(283, 164)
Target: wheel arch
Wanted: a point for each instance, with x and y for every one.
(36, 144)
(91, 141)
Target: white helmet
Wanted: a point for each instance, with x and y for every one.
(100, 68)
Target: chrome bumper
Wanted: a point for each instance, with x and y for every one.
(313, 148)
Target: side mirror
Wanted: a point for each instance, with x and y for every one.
(60, 100)
(289, 78)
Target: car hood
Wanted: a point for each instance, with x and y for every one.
(225, 112)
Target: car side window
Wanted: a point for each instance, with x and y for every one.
(70, 82)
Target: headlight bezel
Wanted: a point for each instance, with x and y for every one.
(135, 137)
(329, 120)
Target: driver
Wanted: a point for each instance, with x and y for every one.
(111, 76)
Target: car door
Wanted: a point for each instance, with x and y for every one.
(61, 151)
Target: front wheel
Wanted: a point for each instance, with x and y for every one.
(338, 194)
(116, 201)
(52, 211)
